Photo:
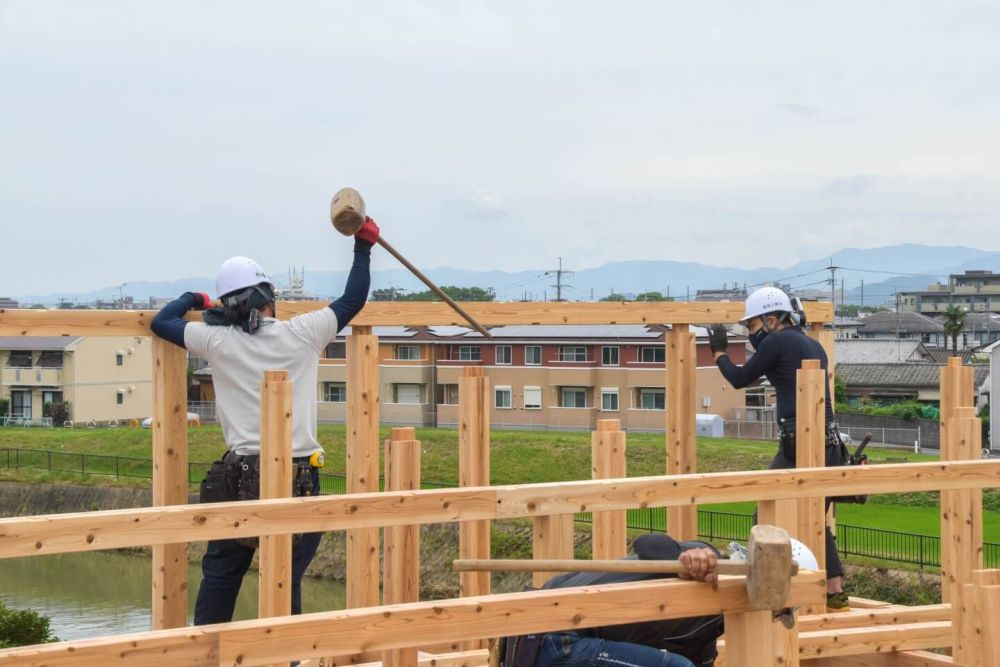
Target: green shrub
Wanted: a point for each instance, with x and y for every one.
(59, 411)
(4, 406)
(23, 628)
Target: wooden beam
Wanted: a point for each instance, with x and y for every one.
(890, 659)
(682, 458)
(810, 452)
(473, 471)
(15, 322)
(275, 571)
(857, 641)
(865, 618)
(116, 529)
(551, 537)
(749, 638)
(170, 480)
(362, 462)
(355, 631)
(402, 543)
(607, 456)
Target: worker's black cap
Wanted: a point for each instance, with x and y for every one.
(659, 546)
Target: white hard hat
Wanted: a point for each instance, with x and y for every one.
(766, 300)
(803, 556)
(238, 273)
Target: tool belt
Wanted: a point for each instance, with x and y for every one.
(520, 651)
(836, 452)
(236, 477)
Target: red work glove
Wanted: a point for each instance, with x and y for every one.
(201, 300)
(368, 232)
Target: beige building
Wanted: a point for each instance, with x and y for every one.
(103, 378)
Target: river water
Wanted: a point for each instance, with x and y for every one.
(105, 593)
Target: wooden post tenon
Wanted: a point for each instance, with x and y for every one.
(810, 452)
(402, 543)
(170, 480)
(682, 364)
(474, 470)
(276, 479)
(607, 455)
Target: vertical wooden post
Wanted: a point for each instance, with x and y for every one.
(810, 452)
(682, 365)
(275, 571)
(961, 526)
(827, 338)
(170, 480)
(551, 537)
(607, 456)
(982, 639)
(749, 639)
(783, 514)
(362, 462)
(474, 470)
(402, 543)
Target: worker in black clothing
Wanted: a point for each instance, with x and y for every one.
(780, 347)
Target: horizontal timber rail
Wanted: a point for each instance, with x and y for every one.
(368, 629)
(15, 322)
(114, 529)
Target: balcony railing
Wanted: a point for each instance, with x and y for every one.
(33, 376)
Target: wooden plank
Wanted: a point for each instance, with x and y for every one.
(170, 480)
(607, 455)
(473, 471)
(115, 529)
(551, 537)
(402, 543)
(891, 659)
(14, 322)
(362, 462)
(401, 626)
(749, 640)
(275, 570)
(875, 617)
(810, 452)
(682, 366)
(856, 641)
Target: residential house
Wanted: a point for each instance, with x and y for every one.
(881, 350)
(902, 324)
(898, 381)
(104, 378)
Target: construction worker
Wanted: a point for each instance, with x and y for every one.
(780, 348)
(681, 642)
(240, 340)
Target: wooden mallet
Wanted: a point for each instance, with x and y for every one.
(347, 212)
(769, 570)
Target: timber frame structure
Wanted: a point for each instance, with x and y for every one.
(391, 627)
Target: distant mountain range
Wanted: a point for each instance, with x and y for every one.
(882, 271)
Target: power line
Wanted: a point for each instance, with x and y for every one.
(559, 273)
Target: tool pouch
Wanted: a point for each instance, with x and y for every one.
(847, 459)
(520, 651)
(835, 454)
(249, 488)
(221, 483)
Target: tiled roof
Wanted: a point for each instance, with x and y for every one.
(37, 342)
(899, 375)
(879, 351)
(903, 321)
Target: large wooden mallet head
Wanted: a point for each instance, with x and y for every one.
(347, 211)
(769, 579)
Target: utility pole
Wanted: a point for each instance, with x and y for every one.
(833, 285)
(862, 296)
(559, 274)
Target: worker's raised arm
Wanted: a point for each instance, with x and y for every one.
(169, 323)
(359, 279)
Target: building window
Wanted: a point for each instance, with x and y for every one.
(51, 397)
(651, 398)
(572, 353)
(50, 359)
(335, 392)
(448, 394)
(19, 359)
(609, 399)
(504, 355)
(470, 353)
(411, 394)
(609, 356)
(407, 352)
(532, 355)
(336, 351)
(532, 398)
(573, 397)
(20, 404)
(120, 397)
(652, 354)
(119, 359)
(502, 397)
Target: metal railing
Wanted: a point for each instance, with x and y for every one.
(858, 541)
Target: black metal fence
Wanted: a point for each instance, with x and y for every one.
(858, 541)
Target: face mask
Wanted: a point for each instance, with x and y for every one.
(757, 338)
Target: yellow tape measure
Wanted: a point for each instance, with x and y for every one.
(317, 460)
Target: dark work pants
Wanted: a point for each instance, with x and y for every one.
(834, 568)
(227, 561)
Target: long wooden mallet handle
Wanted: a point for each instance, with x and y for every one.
(347, 212)
(737, 567)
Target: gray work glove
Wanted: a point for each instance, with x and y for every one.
(718, 338)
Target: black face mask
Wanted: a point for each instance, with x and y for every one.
(757, 337)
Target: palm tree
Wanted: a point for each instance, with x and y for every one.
(954, 324)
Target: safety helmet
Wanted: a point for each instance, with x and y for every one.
(766, 300)
(802, 555)
(237, 273)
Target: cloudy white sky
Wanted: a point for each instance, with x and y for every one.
(150, 140)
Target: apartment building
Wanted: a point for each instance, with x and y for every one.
(103, 378)
(977, 291)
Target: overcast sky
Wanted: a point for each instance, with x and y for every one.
(143, 140)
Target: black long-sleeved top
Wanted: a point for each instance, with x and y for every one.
(779, 357)
(169, 323)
